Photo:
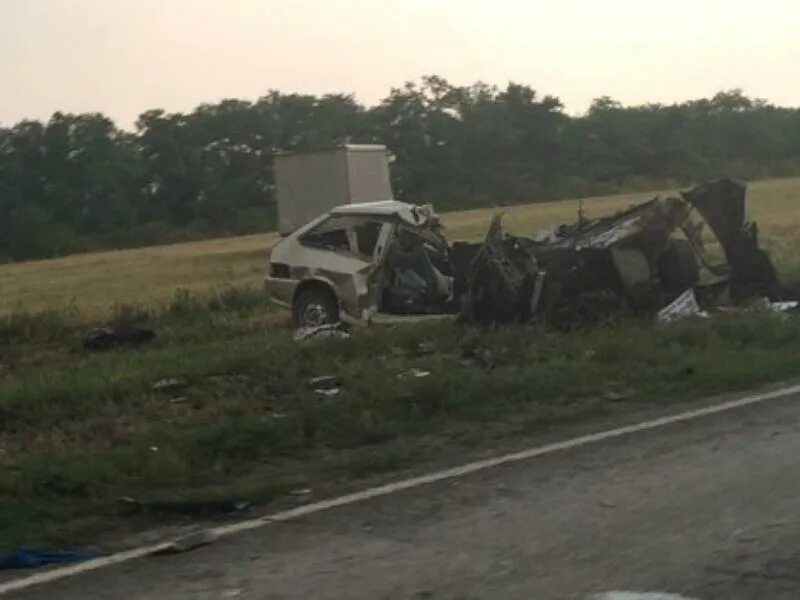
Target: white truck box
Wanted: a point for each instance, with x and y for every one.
(309, 184)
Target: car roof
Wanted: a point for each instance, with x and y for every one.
(411, 213)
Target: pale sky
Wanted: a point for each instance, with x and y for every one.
(122, 57)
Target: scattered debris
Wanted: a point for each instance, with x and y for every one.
(324, 382)
(325, 385)
(194, 508)
(172, 383)
(179, 400)
(105, 338)
(634, 261)
(188, 542)
(499, 279)
(413, 373)
(29, 558)
(425, 348)
(612, 396)
(328, 392)
(331, 330)
(785, 306)
(684, 306)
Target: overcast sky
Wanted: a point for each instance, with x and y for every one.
(121, 57)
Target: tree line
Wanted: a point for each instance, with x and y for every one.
(79, 182)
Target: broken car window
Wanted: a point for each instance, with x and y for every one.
(367, 234)
(331, 235)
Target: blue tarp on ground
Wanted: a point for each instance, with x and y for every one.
(27, 558)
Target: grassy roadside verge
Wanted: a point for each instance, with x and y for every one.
(78, 430)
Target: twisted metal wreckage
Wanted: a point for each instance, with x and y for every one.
(390, 262)
(637, 261)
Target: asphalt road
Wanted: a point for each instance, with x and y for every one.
(708, 509)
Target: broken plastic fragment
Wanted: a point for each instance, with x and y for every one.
(684, 306)
(328, 392)
(324, 382)
(415, 373)
(171, 383)
(785, 306)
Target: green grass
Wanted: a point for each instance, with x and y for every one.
(79, 430)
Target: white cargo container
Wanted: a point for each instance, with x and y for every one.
(311, 183)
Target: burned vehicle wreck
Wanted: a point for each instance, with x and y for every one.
(635, 261)
(390, 261)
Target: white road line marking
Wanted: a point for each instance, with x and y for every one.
(406, 484)
(639, 596)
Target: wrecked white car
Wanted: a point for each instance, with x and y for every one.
(364, 263)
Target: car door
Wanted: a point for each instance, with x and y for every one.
(331, 254)
(372, 238)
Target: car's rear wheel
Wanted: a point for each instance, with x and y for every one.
(314, 307)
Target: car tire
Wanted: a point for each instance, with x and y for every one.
(315, 307)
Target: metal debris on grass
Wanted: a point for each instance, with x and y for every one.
(170, 383)
(324, 382)
(329, 392)
(325, 385)
(413, 373)
(684, 306)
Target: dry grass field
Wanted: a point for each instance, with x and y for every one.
(95, 283)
